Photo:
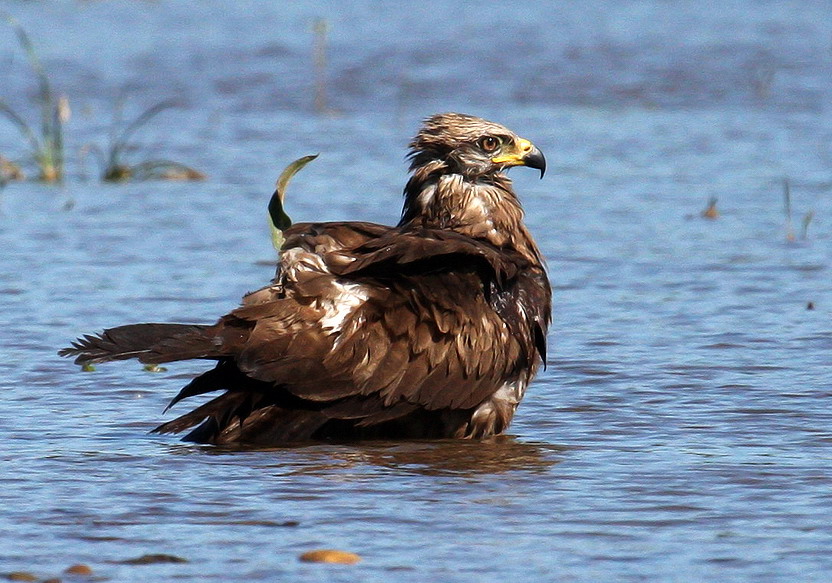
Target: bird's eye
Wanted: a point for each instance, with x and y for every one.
(489, 143)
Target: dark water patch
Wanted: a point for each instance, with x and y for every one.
(721, 346)
(153, 559)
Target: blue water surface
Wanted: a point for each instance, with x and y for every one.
(681, 429)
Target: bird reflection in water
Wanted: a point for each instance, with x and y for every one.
(496, 455)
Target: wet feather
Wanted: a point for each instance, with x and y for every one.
(431, 328)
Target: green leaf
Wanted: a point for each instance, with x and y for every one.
(279, 221)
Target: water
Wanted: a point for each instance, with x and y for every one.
(681, 431)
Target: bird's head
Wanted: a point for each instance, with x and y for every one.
(472, 146)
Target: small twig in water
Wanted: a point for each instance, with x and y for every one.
(807, 219)
(787, 207)
(319, 30)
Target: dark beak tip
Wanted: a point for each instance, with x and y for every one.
(536, 159)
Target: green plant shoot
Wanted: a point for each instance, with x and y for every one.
(48, 147)
(279, 221)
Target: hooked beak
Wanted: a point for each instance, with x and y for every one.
(527, 154)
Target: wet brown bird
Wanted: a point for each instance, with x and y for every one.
(432, 328)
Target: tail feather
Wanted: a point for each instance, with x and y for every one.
(150, 343)
(238, 417)
(207, 382)
(224, 376)
(220, 410)
(251, 410)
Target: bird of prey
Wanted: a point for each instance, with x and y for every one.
(429, 329)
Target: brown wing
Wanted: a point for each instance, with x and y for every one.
(364, 310)
(364, 325)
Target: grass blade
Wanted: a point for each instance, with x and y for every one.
(787, 208)
(21, 124)
(31, 55)
(119, 143)
(279, 221)
(48, 150)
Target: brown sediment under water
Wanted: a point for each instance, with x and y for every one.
(681, 429)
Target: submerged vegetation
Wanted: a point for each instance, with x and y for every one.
(116, 169)
(787, 210)
(10, 171)
(46, 141)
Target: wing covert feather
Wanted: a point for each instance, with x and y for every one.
(422, 330)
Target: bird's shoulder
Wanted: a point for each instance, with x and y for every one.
(351, 262)
(361, 310)
(351, 250)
